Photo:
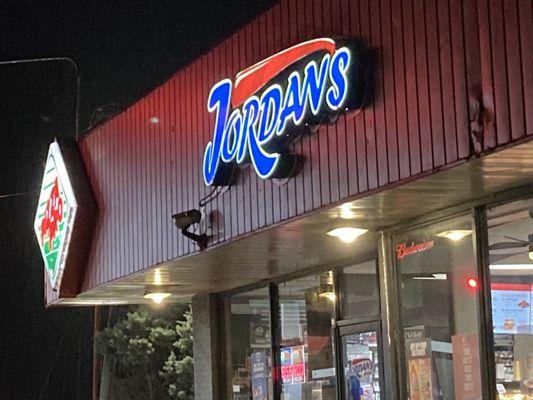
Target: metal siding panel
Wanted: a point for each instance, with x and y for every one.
(473, 69)
(499, 70)
(435, 85)
(369, 118)
(174, 164)
(411, 83)
(400, 90)
(389, 104)
(447, 79)
(460, 83)
(525, 12)
(422, 84)
(300, 182)
(514, 71)
(487, 82)
(378, 104)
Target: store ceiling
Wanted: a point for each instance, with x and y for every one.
(301, 244)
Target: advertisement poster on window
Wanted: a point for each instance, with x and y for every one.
(359, 379)
(292, 362)
(511, 308)
(420, 369)
(466, 370)
(259, 376)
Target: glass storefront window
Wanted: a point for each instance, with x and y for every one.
(250, 346)
(439, 310)
(510, 231)
(306, 356)
(359, 292)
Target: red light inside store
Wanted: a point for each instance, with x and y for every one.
(472, 282)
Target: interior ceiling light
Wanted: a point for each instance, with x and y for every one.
(154, 120)
(347, 234)
(455, 235)
(507, 267)
(346, 212)
(156, 297)
(432, 277)
(328, 295)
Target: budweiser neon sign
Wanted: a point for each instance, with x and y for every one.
(270, 104)
(404, 249)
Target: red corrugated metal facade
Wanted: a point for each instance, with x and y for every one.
(454, 78)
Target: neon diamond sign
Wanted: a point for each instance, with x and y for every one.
(55, 215)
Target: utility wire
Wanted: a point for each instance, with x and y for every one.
(5, 196)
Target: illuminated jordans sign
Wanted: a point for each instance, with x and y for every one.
(272, 103)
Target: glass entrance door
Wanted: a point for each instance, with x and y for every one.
(361, 361)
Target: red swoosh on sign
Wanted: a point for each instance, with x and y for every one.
(251, 79)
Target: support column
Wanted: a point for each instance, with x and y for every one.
(206, 347)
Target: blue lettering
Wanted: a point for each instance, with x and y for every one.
(293, 106)
(219, 100)
(270, 108)
(232, 136)
(263, 162)
(313, 85)
(336, 94)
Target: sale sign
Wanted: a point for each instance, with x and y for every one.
(292, 364)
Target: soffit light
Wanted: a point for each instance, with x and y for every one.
(455, 235)
(347, 234)
(346, 212)
(156, 297)
(154, 120)
(507, 267)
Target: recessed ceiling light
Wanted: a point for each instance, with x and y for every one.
(506, 267)
(157, 277)
(346, 212)
(154, 120)
(156, 297)
(347, 234)
(455, 235)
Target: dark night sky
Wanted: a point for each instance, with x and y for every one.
(123, 49)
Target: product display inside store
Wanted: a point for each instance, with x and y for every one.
(511, 280)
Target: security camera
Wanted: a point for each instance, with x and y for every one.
(185, 219)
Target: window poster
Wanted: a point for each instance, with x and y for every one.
(511, 308)
(360, 379)
(259, 376)
(292, 362)
(420, 369)
(466, 370)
